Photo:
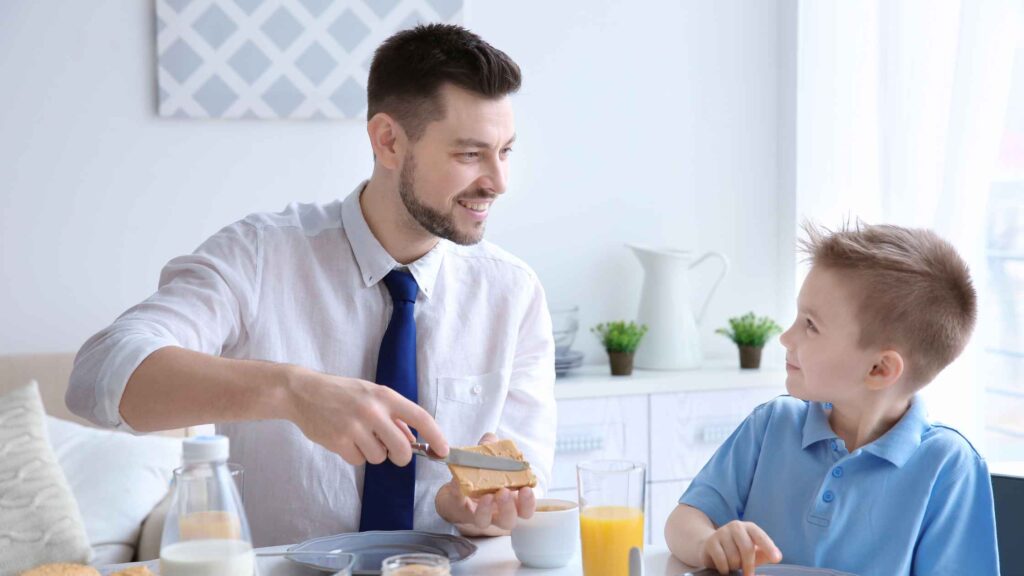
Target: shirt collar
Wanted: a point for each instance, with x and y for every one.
(373, 260)
(816, 426)
(899, 443)
(896, 445)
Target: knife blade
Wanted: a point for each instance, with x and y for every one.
(470, 459)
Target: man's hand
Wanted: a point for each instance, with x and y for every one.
(490, 515)
(359, 420)
(739, 545)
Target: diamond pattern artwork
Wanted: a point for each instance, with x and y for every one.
(270, 59)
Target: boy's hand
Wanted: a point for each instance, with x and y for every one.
(739, 545)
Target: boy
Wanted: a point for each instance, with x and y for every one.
(847, 473)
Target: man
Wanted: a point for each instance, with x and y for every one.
(277, 327)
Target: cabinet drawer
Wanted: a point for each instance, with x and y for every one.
(664, 497)
(687, 427)
(598, 429)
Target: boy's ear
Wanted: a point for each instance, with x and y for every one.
(387, 139)
(887, 370)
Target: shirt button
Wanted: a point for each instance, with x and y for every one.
(477, 389)
(828, 496)
(828, 405)
(837, 471)
(834, 445)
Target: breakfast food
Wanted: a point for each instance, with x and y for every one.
(475, 482)
(134, 571)
(62, 570)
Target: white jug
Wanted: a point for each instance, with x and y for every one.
(672, 341)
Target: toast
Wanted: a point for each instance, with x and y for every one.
(476, 482)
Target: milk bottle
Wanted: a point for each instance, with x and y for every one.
(206, 533)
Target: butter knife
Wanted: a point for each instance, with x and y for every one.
(470, 459)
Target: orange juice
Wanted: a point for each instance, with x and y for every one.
(607, 534)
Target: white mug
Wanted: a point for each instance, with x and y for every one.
(549, 538)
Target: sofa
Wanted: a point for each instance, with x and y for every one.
(120, 481)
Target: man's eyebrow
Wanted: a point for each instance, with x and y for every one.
(474, 143)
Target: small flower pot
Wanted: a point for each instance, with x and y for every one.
(750, 356)
(621, 363)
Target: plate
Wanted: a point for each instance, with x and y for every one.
(570, 357)
(777, 570)
(371, 548)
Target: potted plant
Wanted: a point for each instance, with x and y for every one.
(750, 333)
(620, 340)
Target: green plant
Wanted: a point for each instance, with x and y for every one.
(749, 330)
(620, 336)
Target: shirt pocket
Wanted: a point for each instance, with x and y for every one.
(470, 406)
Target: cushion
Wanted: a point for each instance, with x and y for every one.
(117, 479)
(39, 521)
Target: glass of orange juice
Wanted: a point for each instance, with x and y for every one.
(611, 498)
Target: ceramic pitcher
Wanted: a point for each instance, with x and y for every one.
(672, 341)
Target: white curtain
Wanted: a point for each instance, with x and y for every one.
(899, 114)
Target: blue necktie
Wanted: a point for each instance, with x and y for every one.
(388, 490)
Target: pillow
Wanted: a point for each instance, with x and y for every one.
(39, 522)
(117, 479)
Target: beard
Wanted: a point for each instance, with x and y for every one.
(433, 221)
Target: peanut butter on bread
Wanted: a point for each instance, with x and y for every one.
(475, 482)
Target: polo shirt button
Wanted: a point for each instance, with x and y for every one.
(828, 496)
(477, 389)
(837, 471)
(834, 445)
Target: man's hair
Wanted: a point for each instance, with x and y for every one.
(410, 67)
(914, 292)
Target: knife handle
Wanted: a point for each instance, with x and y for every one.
(423, 449)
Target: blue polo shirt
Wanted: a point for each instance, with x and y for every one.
(916, 501)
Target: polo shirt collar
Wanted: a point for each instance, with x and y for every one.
(899, 443)
(896, 445)
(373, 260)
(816, 426)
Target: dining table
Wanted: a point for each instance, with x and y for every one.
(493, 557)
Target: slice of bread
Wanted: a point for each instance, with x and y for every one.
(475, 482)
(62, 570)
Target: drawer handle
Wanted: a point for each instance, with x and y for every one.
(576, 443)
(716, 434)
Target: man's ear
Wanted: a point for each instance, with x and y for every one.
(887, 370)
(387, 139)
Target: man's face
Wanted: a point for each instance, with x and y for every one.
(824, 363)
(457, 169)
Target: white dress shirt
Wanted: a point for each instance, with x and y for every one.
(303, 287)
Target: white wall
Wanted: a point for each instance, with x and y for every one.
(654, 123)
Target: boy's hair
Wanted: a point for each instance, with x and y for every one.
(410, 67)
(914, 291)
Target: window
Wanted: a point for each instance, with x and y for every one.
(1003, 293)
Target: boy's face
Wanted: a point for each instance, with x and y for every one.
(459, 166)
(824, 363)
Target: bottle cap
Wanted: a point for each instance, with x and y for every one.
(205, 449)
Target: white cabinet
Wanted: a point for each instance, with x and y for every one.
(563, 494)
(664, 497)
(671, 421)
(598, 429)
(687, 427)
